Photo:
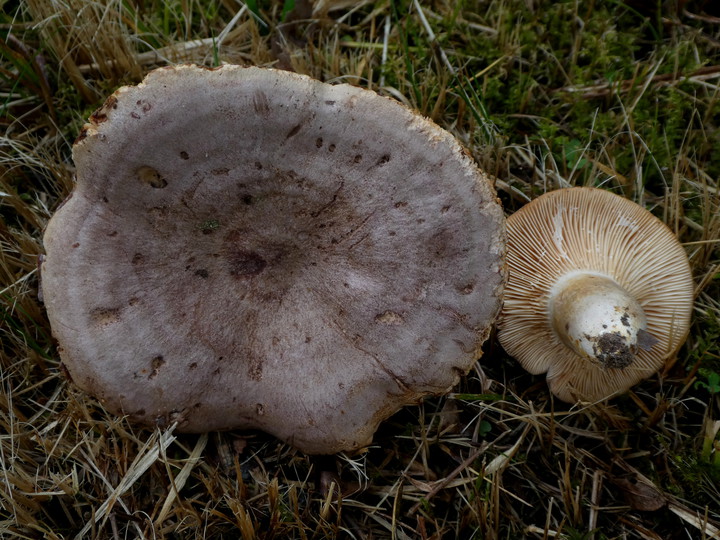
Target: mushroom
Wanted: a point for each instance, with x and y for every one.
(599, 292)
(251, 248)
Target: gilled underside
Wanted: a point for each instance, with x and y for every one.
(251, 248)
(608, 247)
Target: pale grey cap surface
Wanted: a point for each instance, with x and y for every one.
(251, 248)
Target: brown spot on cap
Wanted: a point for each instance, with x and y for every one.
(101, 114)
(245, 264)
(390, 318)
(105, 316)
(151, 177)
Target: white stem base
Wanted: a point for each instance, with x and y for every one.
(597, 318)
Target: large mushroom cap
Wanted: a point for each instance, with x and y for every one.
(251, 248)
(599, 293)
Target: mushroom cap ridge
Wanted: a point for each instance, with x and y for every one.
(251, 248)
(592, 231)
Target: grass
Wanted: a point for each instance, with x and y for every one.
(620, 95)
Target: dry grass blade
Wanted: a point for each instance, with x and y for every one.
(150, 452)
(707, 73)
(700, 522)
(179, 481)
(172, 54)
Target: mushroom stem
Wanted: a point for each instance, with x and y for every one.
(598, 319)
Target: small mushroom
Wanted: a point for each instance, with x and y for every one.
(251, 248)
(599, 292)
